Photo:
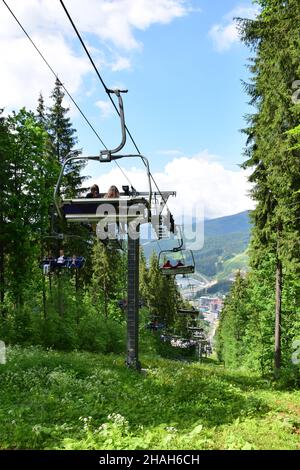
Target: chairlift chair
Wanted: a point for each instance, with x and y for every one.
(131, 206)
(177, 260)
(50, 263)
(188, 311)
(174, 262)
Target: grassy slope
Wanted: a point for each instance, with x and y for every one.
(238, 262)
(88, 401)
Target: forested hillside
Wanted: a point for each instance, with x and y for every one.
(259, 325)
(224, 239)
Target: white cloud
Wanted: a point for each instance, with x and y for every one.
(117, 20)
(121, 63)
(110, 26)
(24, 75)
(106, 108)
(170, 153)
(199, 181)
(225, 34)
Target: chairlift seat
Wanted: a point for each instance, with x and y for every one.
(85, 209)
(51, 264)
(187, 311)
(180, 270)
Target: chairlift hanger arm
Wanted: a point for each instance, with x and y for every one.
(108, 155)
(180, 246)
(56, 190)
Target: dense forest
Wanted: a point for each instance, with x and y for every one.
(260, 326)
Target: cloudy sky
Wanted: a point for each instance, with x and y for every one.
(182, 63)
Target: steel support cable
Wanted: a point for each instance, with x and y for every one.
(106, 89)
(63, 86)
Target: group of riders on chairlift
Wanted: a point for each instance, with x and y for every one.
(50, 263)
(168, 265)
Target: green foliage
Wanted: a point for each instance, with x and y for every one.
(272, 155)
(53, 400)
(63, 140)
(108, 281)
(160, 294)
(249, 309)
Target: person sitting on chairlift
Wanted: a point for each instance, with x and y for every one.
(94, 192)
(46, 265)
(168, 265)
(179, 265)
(112, 193)
(61, 259)
(74, 262)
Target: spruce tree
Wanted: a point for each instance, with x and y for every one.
(107, 278)
(41, 111)
(274, 36)
(63, 141)
(23, 203)
(161, 294)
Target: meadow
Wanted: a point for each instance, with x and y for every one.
(79, 400)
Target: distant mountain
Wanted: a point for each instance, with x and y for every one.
(226, 240)
(229, 224)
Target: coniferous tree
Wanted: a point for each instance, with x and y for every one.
(161, 294)
(233, 324)
(63, 141)
(5, 158)
(41, 111)
(275, 39)
(107, 277)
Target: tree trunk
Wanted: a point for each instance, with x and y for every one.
(2, 288)
(60, 295)
(43, 284)
(277, 355)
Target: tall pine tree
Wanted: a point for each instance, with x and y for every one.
(63, 141)
(274, 36)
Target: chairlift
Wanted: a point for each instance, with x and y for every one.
(174, 262)
(188, 311)
(177, 260)
(130, 207)
(123, 304)
(178, 342)
(155, 326)
(51, 264)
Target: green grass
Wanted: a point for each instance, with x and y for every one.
(56, 400)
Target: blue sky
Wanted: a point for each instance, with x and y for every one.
(184, 94)
(182, 63)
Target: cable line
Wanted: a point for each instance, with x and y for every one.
(107, 90)
(55, 75)
(96, 69)
(71, 97)
(63, 86)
